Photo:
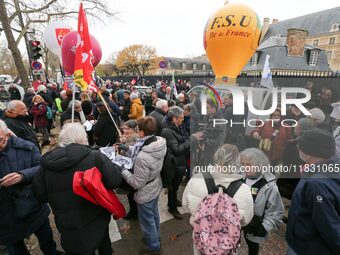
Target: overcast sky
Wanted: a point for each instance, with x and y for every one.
(175, 27)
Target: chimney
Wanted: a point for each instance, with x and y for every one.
(296, 40)
(275, 21)
(265, 28)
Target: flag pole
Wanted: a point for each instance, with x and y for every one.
(108, 110)
(73, 99)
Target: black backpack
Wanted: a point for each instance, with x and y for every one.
(169, 164)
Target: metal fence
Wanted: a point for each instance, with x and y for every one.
(332, 82)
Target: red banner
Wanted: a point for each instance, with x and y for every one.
(83, 66)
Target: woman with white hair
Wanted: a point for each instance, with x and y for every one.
(225, 171)
(84, 227)
(136, 110)
(268, 206)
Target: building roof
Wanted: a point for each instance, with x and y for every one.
(276, 48)
(315, 23)
(176, 63)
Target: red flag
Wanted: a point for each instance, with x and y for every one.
(83, 67)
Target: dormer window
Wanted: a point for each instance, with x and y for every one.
(184, 66)
(335, 27)
(169, 65)
(254, 59)
(194, 66)
(313, 58)
(204, 67)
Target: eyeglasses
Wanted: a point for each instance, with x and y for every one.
(3, 139)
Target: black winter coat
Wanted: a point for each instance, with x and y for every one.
(21, 128)
(67, 115)
(23, 157)
(82, 225)
(28, 99)
(178, 143)
(104, 130)
(126, 109)
(159, 117)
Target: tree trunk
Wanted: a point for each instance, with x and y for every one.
(19, 64)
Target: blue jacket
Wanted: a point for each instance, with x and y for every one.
(314, 216)
(23, 157)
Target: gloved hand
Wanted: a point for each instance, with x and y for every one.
(122, 146)
(260, 231)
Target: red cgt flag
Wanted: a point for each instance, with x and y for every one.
(83, 67)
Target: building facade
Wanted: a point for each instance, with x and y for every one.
(197, 65)
(323, 32)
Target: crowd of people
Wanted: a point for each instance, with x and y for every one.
(160, 128)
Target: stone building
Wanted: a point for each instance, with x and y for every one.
(323, 32)
(289, 56)
(197, 65)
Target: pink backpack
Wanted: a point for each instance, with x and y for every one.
(217, 222)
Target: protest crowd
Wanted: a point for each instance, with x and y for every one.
(164, 136)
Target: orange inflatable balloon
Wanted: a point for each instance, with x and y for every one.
(231, 37)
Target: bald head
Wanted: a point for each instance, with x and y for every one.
(17, 108)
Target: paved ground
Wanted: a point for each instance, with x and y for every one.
(175, 236)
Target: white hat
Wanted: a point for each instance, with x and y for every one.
(41, 88)
(336, 111)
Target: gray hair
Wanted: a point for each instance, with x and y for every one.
(63, 93)
(306, 124)
(133, 95)
(175, 112)
(31, 90)
(227, 155)
(180, 95)
(3, 127)
(317, 116)
(72, 133)
(161, 103)
(76, 103)
(256, 157)
(13, 104)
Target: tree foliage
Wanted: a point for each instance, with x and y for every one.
(135, 59)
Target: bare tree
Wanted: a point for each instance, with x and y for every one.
(20, 16)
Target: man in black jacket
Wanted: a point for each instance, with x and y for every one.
(178, 143)
(159, 114)
(127, 105)
(17, 120)
(21, 214)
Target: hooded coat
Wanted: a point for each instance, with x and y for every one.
(82, 225)
(136, 110)
(268, 204)
(147, 168)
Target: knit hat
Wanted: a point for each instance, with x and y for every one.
(41, 88)
(127, 92)
(317, 142)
